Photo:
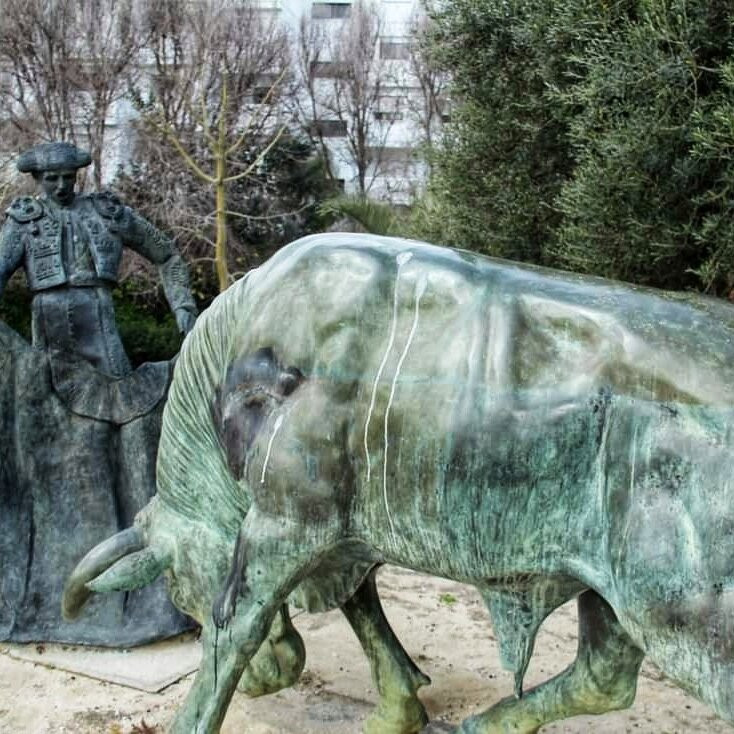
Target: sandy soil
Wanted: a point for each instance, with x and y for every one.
(442, 624)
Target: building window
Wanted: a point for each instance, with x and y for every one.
(389, 108)
(326, 11)
(392, 160)
(328, 69)
(444, 108)
(388, 116)
(6, 83)
(395, 49)
(329, 128)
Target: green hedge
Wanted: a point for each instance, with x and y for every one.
(15, 307)
(148, 336)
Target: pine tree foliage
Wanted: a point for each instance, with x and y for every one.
(592, 135)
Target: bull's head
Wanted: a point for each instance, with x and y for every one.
(215, 405)
(126, 562)
(189, 527)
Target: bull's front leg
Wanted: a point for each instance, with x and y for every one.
(394, 674)
(223, 660)
(225, 656)
(269, 567)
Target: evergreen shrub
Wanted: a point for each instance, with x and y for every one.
(591, 135)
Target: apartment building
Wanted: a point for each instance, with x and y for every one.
(394, 123)
(379, 154)
(371, 131)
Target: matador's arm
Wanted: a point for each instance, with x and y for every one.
(140, 235)
(11, 251)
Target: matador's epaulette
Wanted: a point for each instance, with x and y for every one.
(108, 204)
(24, 209)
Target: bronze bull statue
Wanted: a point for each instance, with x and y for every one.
(540, 435)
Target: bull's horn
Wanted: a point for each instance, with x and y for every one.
(98, 560)
(132, 571)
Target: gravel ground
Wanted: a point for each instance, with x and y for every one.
(442, 624)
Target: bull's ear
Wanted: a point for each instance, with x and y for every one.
(240, 403)
(241, 415)
(226, 427)
(131, 572)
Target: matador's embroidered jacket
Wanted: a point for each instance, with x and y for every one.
(82, 245)
(71, 256)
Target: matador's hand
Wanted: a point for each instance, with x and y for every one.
(185, 320)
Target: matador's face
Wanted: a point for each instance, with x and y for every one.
(59, 186)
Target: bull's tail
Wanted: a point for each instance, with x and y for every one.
(121, 563)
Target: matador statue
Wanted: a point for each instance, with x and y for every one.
(71, 246)
(79, 427)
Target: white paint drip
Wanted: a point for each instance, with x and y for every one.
(630, 501)
(402, 258)
(601, 467)
(634, 464)
(419, 291)
(276, 428)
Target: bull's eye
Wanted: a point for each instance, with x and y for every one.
(289, 380)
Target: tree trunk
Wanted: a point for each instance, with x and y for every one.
(220, 246)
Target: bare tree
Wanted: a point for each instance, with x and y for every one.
(305, 85)
(428, 105)
(64, 63)
(223, 144)
(344, 77)
(194, 47)
(216, 68)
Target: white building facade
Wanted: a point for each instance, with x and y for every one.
(393, 119)
(357, 88)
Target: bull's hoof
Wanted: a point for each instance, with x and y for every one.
(405, 717)
(482, 725)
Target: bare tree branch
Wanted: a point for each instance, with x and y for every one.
(210, 58)
(344, 77)
(66, 64)
(260, 156)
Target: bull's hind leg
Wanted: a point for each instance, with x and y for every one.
(602, 678)
(394, 674)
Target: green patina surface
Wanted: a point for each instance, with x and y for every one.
(361, 400)
(78, 426)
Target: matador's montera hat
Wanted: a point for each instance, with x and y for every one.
(52, 157)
